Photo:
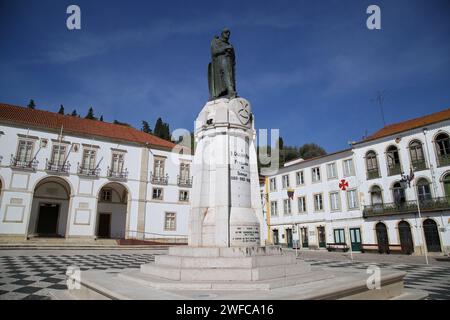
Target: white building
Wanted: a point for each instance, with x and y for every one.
(375, 212)
(63, 176)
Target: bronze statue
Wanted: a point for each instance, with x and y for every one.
(221, 69)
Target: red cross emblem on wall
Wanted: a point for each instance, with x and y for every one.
(343, 185)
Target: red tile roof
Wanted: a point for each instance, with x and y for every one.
(410, 124)
(78, 126)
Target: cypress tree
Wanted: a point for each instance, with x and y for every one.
(31, 104)
(90, 114)
(61, 110)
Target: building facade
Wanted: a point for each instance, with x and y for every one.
(367, 198)
(62, 176)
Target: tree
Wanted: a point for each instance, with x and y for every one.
(157, 131)
(31, 104)
(90, 114)
(146, 127)
(101, 118)
(74, 113)
(121, 123)
(61, 110)
(311, 150)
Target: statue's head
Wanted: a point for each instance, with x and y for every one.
(226, 34)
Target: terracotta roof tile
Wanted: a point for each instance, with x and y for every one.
(410, 124)
(78, 126)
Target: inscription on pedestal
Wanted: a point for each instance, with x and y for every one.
(244, 235)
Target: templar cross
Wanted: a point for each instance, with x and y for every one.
(343, 185)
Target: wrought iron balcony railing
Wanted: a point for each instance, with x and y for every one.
(394, 169)
(419, 165)
(426, 205)
(86, 171)
(159, 179)
(116, 174)
(373, 174)
(24, 163)
(57, 167)
(444, 160)
(184, 182)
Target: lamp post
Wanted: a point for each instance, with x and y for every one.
(405, 182)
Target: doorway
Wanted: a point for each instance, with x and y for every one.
(47, 224)
(275, 236)
(104, 225)
(289, 237)
(382, 238)
(431, 236)
(304, 234)
(406, 241)
(321, 237)
(355, 239)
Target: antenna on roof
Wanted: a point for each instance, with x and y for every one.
(380, 99)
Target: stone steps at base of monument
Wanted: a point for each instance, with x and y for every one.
(225, 274)
(223, 262)
(227, 252)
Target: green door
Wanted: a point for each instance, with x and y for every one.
(322, 237)
(355, 238)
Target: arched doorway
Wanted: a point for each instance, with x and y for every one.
(406, 241)
(431, 236)
(382, 237)
(50, 208)
(112, 208)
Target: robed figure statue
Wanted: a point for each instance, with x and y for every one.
(221, 69)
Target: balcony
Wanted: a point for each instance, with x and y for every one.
(426, 205)
(444, 160)
(159, 179)
(23, 164)
(419, 165)
(373, 174)
(184, 182)
(394, 169)
(117, 175)
(89, 172)
(57, 167)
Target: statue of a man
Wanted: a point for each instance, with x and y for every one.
(221, 69)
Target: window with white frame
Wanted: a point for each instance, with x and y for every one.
(301, 204)
(184, 172)
(157, 194)
(183, 195)
(274, 208)
(318, 202)
(285, 181)
(331, 170)
(273, 184)
(352, 199)
(335, 202)
(170, 221)
(25, 150)
(117, 162)
(339, 236)
(299, 177)
(88, 159)
(315, 174)
(287, 207)
(158, 167)
(58, 154)
(349, 169)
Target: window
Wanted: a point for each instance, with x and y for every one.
(88, 159)
(273, 208)
(25, 151)
(170, 223)
(184, 172)
(58, 155)
(285, 181)
(273, 184)
(158, 167)
(315, 174)
(339, 236)
(443, 149)
(301, 204)
(106, 195)
(416, 153)
(352, 199)
(349, 169)
(399, 194)
(300, 179)
(287, 206)
(157, 194)
(183, 195)
(393, 161)
(372, 165)
(117, 162)
(376, 196)
(318, 202)
(335, 202)
(331, 171)
(423, 189)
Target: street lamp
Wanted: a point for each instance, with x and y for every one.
(405, 182)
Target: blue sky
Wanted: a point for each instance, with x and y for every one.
(309, 68)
